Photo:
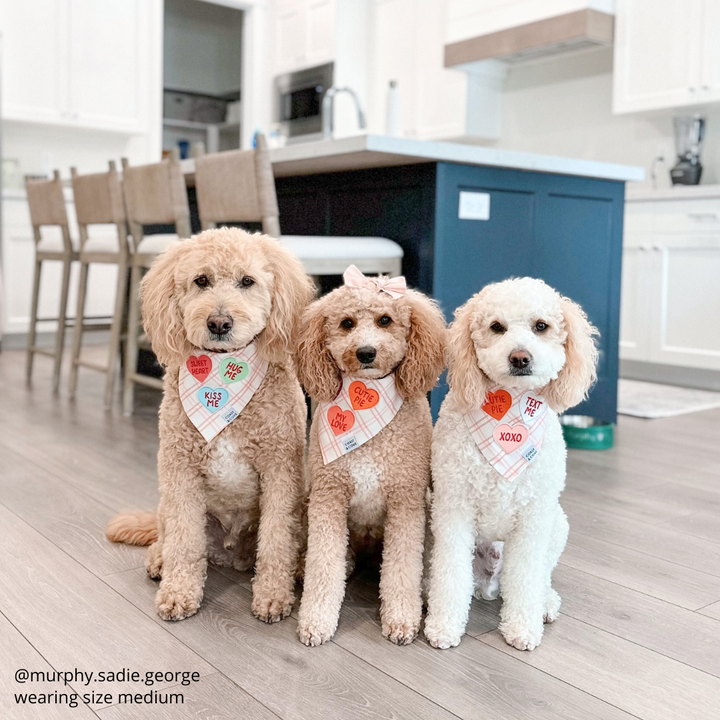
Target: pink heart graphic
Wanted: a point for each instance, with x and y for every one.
(510, 438)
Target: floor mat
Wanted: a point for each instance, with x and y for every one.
(651, 400)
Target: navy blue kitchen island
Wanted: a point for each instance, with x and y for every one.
(553, 218)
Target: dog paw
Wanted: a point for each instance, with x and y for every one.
(400, 633)
(521, 637)
(271, 609)
(176, 605)
(552, 606)
(439, 636)
(314, 634)
(153, 563)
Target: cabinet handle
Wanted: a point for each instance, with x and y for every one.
(691, 89)
(705, 87)
(703, 216)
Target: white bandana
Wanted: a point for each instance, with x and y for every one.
(509, 429)
(215, 387)
(360, 411)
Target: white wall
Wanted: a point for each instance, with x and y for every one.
(562, 106)
(202, 48)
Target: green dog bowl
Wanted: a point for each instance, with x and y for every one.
(586, 433)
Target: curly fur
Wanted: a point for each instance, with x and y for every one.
(378, 490)
(473, 505)
(235, 500)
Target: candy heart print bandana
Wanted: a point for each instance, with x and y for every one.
(359, 412)
(215, 387)
(509, 429)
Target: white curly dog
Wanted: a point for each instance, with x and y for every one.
(522, 336)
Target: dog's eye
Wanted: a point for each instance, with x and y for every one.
(498, 328)
(348, 323)
(385, 320)
(246, 281)
(541, 326)
(202, 281)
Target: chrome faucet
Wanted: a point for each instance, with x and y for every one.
(328, 108)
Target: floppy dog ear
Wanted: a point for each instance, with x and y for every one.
(467, 381)
(581, 356)
(161, 313)
(293, 291)
(424, 359)
(317, 371)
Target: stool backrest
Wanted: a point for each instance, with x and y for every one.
(99, 201)
(156, 195)
(47, 207)
(237, 186)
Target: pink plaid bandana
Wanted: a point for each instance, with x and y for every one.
(215, 387)
(360, 411)
(509, 429)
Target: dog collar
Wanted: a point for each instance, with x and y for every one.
(509, 429)
(215, 387)
(360, 411)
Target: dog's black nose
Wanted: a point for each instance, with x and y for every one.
(520, 359)
(219, 324)
(366, 354)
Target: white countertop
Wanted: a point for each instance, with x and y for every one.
(376, 151)
(676, 192)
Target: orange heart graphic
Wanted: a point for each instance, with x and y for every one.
(199, 367)
(340, 420)
(362, 397)
(497, 404)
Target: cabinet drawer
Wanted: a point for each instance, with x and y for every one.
(687, 216)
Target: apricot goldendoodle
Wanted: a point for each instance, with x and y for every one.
(234, 499)
(368, 356)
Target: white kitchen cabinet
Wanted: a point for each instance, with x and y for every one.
(666, 54)
(671, 293)
(75, 62)
(304, 34)
(408, 47)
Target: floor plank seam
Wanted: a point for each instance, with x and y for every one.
(642, 552)
(637, 644)
(51, 665)
(591, 504)
(394, 679)
(554, 677)
(64, 482)
(625, 587)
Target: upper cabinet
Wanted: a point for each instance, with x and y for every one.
(75, 62)
(408, 39)
(666, 54)
(304, 34)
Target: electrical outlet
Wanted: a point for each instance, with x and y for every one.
(474, 206)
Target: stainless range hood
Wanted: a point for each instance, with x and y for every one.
(550, 36)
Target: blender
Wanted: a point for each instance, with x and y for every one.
(689, 135)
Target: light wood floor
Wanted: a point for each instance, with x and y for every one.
(639, 634)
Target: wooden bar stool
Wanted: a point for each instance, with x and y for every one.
(47, 209)
(238, 186)
(99, 202)
(154, 195)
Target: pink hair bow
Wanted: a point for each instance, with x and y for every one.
(394, 287)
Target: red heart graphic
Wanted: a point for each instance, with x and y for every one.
(340, 420)
(497, 404)
(199, 367)
(510, 438)
(362, 397)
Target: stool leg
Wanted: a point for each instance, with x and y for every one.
(115, 331)
(78, 330)
(32, 335)
(62, 323)
(131, 355)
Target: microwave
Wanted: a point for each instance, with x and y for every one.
(298, 101)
